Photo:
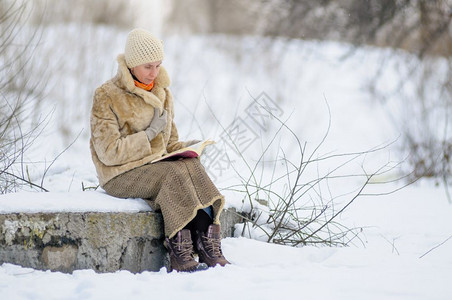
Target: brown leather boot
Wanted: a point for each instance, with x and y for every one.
(180, 249)
(209, 247)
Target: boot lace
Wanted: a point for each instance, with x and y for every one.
(213, 246)
(184, 249)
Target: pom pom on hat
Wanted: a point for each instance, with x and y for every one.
(142, 47)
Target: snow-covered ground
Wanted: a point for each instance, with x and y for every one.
(401, 228)
(218, 75)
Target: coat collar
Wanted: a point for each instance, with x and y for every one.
(156, 97)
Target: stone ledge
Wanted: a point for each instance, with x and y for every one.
(104, 242)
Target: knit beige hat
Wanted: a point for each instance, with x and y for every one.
(142, 47)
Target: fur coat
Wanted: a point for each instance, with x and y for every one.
(120, 114)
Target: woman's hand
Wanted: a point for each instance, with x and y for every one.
(158, 123)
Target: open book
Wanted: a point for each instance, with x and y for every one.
(194, 150)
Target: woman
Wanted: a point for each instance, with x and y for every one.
(132, 123)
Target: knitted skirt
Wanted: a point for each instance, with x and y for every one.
(177, 188)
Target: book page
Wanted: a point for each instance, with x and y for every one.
(192, 151)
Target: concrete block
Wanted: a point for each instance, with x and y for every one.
(104, 242)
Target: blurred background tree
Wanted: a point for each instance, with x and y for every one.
(421, 27)
(19, 90)
(87, 30)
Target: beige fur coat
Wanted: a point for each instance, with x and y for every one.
(120, 114)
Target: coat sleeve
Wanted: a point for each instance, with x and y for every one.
(110, 147)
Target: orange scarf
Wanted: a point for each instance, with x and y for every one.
(146, 87)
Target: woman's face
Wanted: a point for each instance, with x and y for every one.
(146, 73)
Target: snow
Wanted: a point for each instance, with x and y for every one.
(406, 236)
(88, 201)
(265, 271)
